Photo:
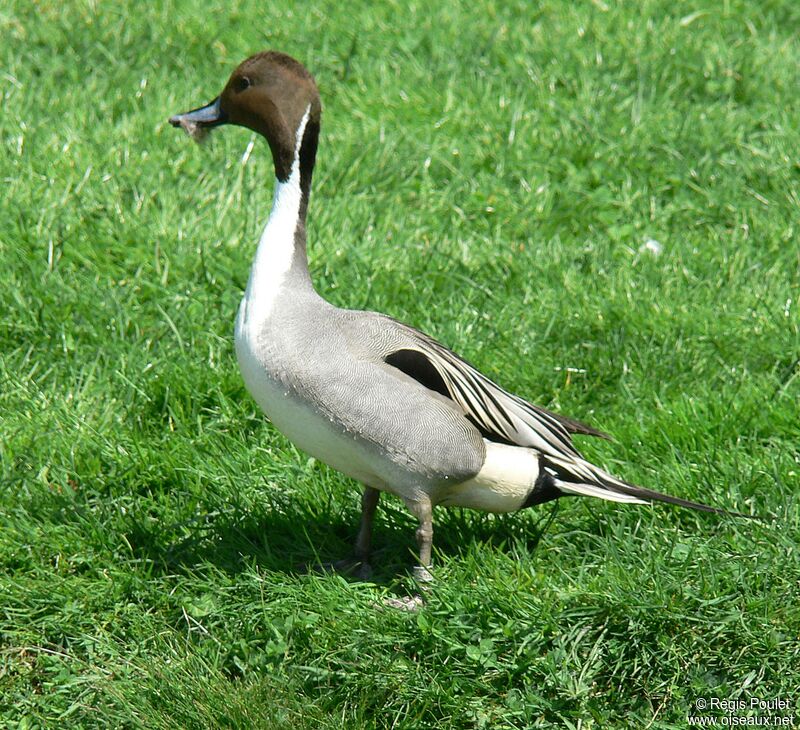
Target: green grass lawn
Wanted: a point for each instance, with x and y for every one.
(489, 172)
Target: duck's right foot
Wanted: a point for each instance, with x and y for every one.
(348, 566)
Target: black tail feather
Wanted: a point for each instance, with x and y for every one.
(581, 472)
(651, 494)
(573, 425)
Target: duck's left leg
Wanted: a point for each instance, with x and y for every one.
(357, 565)
(369, 502)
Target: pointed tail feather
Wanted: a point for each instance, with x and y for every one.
(578, 476)
(579, 427)
(592, 490)
(573, 425)
(652, 495)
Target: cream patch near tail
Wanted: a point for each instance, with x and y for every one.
(503, 483)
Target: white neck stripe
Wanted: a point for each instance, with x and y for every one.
(275, 251)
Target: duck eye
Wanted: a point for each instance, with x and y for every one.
(242, 83)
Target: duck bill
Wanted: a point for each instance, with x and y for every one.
(210, 115)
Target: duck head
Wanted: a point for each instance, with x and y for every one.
(274, 95)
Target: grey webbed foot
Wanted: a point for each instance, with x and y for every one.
(423, 580)
(406, 603)
(357, 568)
(348, 566)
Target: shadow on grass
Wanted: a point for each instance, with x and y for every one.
(277, 540)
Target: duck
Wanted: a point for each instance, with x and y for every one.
(372, 397)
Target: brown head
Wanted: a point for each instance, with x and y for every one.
(269, 93)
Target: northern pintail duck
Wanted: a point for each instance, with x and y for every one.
(372, 397)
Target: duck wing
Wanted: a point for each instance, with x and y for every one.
(499, 415)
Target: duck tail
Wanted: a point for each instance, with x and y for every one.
(578, 476)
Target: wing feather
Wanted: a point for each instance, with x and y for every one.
(500, 415)
(504, 417)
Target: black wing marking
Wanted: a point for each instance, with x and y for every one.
(498, 414)
(504, 417)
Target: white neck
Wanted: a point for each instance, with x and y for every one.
(276, 248)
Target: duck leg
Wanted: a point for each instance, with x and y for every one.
(369, 502)
(423, 511)
(359, 565)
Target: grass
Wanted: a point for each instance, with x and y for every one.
(488, 172)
